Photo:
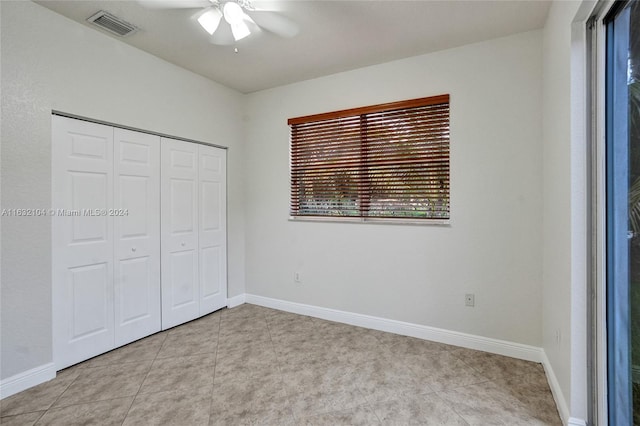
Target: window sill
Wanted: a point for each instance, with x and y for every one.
(380, 221)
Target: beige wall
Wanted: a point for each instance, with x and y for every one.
(52, 63)
(564, 205)
(417, 274)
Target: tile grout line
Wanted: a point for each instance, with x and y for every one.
(144, 380)
(371, 405)
(464, 419)
(215, 366)
(489, 380)
(273, 346)
(58, 398)
(41, 416)
(435, 392)
(374, 411)
(327, 338)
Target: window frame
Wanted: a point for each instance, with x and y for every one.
(591, 42)
(361, 111)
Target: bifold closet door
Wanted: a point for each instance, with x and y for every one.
(180, 277)
(137, 235)
(212, 239)
(105, 238)
(194, 260)
(82, 184)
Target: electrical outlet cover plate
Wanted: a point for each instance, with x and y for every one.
(469, 300)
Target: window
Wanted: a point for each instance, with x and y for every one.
(388, 161)
(622, 175)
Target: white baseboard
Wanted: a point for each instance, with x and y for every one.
(486, 344)
(558, 396)
(234, 301)
(27, 379)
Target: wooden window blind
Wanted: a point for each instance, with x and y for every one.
(381, 161)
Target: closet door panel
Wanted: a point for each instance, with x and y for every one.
(212, 232)
(134, 307)
(136, 212)
(82, 240)
(183, 293)
(89, 290)
(180, 278)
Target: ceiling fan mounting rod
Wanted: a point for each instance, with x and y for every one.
(245, 4)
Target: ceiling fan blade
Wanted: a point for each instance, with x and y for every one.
(174, 4)
(274, 23)
(223, 35)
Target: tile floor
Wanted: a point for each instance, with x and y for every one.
(253, 365)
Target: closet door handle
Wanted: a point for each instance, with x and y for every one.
(183, 244)
(133, 249)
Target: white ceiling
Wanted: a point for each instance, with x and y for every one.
(335, 36)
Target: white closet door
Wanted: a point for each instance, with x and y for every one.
(137, 235)
(82, 240)
(180, 277)
(213, 233)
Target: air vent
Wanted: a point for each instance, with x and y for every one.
(112, 23)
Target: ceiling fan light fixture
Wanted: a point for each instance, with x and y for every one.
(210, 19)
(240, 31)
(235, 16)
(233, 13)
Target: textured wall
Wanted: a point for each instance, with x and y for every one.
(560, 212)
(410, 273)
(52, 63)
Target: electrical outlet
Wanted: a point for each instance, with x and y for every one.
(470, 299)
(296, 278)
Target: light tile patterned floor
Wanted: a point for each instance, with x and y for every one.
(253, 365)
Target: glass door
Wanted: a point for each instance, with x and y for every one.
(623, 213)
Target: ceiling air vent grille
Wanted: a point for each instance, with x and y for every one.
(112, 23)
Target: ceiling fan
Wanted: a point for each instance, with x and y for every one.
(228, 21)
